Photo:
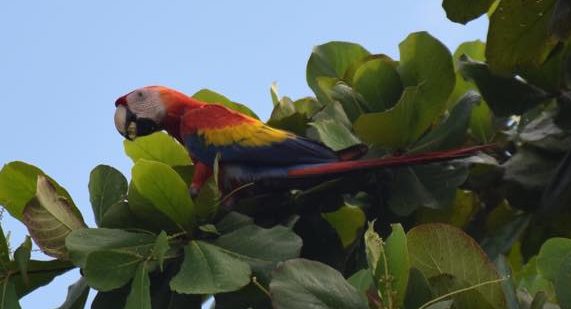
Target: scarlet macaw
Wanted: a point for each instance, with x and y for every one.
(248, 149)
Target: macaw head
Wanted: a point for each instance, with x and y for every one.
(143, 111)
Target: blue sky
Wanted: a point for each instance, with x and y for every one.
(63, 63)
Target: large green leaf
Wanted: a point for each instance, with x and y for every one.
(332, 59)
(338, 91)
(442, 250)
(107, 270)
(551, 256)
(348, 221)
(303, 283)
(452, 132)
(50, 218)
(146, 214)
(463, 11)
(140, 297)
(209, 269)
(519, 36)
(427, 74)
(261, 248)
(210, 96)
(361, 280)
(334, 134)
(378, 81)
(40, 273)
(474, 50)
(163, 187)
(432, 186)
(4, 251)
(159, 147)
(18, 183)
(76, 295)
(81, 243)
(506, 95)
(107, 186)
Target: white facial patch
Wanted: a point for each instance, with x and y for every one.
(146, 103)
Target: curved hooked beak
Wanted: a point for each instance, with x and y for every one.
(126, 122)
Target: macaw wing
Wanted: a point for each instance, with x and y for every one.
(237, 138)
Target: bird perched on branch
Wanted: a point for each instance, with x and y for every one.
(248, 150)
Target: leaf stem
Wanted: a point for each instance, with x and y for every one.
(442, 297)
(261, 287)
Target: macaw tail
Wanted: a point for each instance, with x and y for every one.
(348, 166)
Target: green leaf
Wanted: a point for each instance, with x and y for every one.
(431, 186)
(40, 273)
(563, 282)
(22, 257)
(107, 186)
(334, 134)
(208, 201)
(337, 91)
(208, 269)
(418, 290)
(465, 205)
(389, 262)
(158, 147)
(301, 283)
(481, 123)
(378, 81)
(209, 96)
(119, 215)
(505, 95)
(463, 11)
(140, 297)
(427, 85)
(233, 221)
(4, 251)
(81, 243)
(106, 270)
(551, 256)
(114, 299)
(348, 221)
(8, 298)
(50, 218)
(291, 116)
(76, 295)
(397, 264)
(18, 181)
(518, 36)
(532, 281)
(557, 194)
(145, 214)
(261, 248)
(361, 280)
(163, 187)
(452, 132)
(474, 50)
(438, 249)
(332, 59)
(160, 248)
(543, 133)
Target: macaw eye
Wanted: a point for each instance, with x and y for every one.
(140, 94)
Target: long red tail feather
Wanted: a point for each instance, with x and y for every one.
(346, 166)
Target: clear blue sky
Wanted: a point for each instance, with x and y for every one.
(63, 63)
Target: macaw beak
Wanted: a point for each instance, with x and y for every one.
(125, 122)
